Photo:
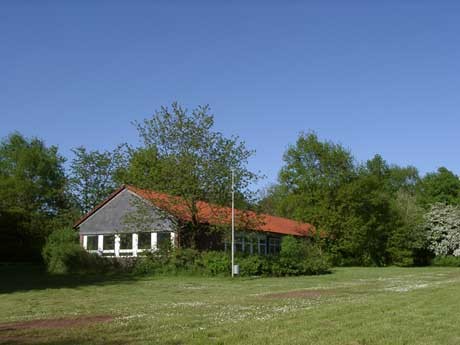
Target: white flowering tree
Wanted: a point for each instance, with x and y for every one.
(443, 229)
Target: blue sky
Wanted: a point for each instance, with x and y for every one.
(378, 77)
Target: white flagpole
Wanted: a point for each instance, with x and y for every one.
(233, 223)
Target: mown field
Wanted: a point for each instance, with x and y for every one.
(350, 306)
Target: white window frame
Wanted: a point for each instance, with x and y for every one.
(260, 240)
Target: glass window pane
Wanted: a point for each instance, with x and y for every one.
(144, 240)
(248, 243)
(262, 245)
(109, 242)
(91, 243)
(126, 241)
(164, 240)
(238, 244)
(274, 245)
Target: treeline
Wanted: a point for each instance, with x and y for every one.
(372, 213)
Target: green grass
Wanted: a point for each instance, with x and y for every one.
(350, 306)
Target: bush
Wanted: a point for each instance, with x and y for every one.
(300, 257)
(167, 261)
(297, 257)
(59, 247)
(186, 259)
(63, 254)
(215, 263)
(451, 261)
(254, 265)
(157, 262)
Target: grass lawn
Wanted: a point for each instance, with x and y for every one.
(350, 306)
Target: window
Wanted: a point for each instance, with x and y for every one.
(164, 240)
(238, 244)
(109, 242)
(91, 242)
(249, 245)
(263, 245)
(126, 241)
(274, 245)
(144, 240)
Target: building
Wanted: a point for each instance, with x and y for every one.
(132, 220)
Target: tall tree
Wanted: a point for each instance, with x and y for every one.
(371, 215)
(407, 244)
(354, 203)
(312, 174)
(33, 198)
(92, 176)
(442, 186)
(183, 155)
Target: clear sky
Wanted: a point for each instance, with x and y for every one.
(378, 77)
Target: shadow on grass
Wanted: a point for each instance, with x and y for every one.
(26, 277)
(23, 340)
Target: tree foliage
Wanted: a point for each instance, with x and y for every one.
(442, 186)
(33, 195)
(92, 176)
(442, 224)
(353, 203)
(372, 212)
(183, 155)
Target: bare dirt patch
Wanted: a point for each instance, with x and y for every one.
(301, 294)
(55, 323)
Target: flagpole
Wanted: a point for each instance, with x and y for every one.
(233, 223)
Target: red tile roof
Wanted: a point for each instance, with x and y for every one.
(213, 214)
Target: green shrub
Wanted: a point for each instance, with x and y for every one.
(451, 261)
(168, 261)
(61, 245)
(186, 260)
(253, 265)
(316, 262)
(215, 263)
(402, 257)
(299, 257)
(158, 262)
(63, 254)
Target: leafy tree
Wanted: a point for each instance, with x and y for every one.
(407, 242)
(142, 167)
(313, 172)
(184, 156)
(93, 176)
(442, 224)
(373, 209)
(271, 198)
(442, 186)
(33, 198)
(355, 204)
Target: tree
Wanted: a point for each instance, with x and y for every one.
(313, 172)
(33, 195)
(271, 198)
(93, 176)
(353, 203)
(442, 186)
(407, 243)
(374, 206)
(184, 156)
(442, 224)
